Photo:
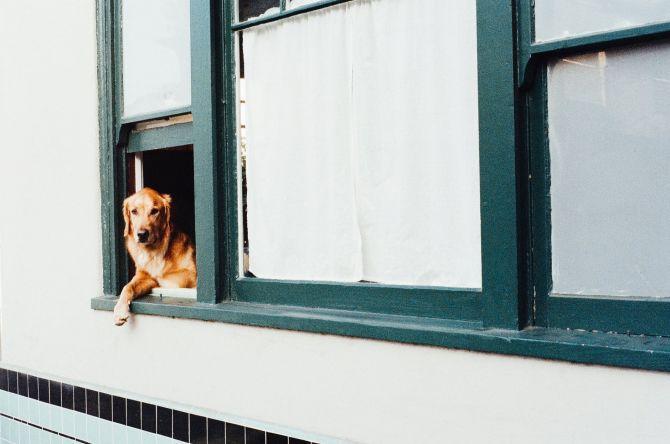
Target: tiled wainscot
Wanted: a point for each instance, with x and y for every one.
(35, 410)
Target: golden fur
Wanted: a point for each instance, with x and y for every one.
(163, 256)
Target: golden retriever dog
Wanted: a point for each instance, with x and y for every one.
(163, 256)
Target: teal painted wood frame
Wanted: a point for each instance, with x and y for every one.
(112, 165)
(207, 73)
(501, 168)
(160, 138)
(533, 55)
(497, 303)
(550, 343)
(116, 142)
(651, 353)
(156, 115)
(433, 302)
(635, 315)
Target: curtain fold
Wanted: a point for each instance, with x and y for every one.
(362, 144)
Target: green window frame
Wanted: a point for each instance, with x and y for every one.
(117, 141)
(495, 305)
(630, 315)
(498, 318)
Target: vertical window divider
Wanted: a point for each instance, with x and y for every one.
(540, 206)
(205, 150)
(498, 107)
(106, 26)
(117, 150)
(227, 133)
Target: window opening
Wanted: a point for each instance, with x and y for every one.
(168, 171)
(343, 182)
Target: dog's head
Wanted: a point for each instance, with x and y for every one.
(147, 216)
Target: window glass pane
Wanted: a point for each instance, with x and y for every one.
(248, 9)
(362, 149)
(556, 19)
(610, 172)
(156, 56)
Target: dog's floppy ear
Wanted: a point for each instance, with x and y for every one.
(126, 218)
(167, 203)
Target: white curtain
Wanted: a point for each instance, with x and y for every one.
(362, 144)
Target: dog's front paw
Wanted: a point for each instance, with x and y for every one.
(121, 312)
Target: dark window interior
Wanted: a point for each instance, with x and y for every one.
(170, 171)
(253, 8)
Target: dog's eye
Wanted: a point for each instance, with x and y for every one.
(154, 211)
(134, 211)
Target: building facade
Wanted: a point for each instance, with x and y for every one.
(374, 340)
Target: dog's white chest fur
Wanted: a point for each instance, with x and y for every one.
(151, 263)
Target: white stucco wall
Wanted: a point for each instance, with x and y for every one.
(355, 389)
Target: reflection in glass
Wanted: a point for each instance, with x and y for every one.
(556, 19)
(248, 9)
(156, 56)
(609, 131)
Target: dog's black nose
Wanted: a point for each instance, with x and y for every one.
(142, 236)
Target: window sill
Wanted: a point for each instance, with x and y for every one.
(642, 352)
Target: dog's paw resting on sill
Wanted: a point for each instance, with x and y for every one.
(163, 255)
(121, 312)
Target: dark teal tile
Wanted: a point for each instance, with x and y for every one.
(253, 436)
(105, 406)
(197, 429)
(164, 421)
(119, 410)
(134, 412)
(180, 425)
(216, 432)
(43, 389)
(67, 395)
(148, 417)
(273, 438)
(92, 403)
(234, 434)
(32, 387)
(12, 382)
(55, 393)
(80, 399)
(23, 384)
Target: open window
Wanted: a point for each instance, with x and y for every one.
(155, 120)
(160, 156)
(309, 119)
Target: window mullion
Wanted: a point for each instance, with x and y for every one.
(497, 157)
(204, 151)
